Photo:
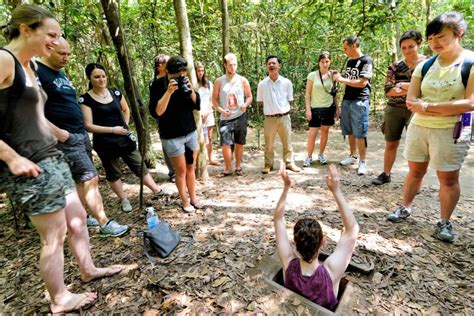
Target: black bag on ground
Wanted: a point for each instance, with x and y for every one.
(163, 239)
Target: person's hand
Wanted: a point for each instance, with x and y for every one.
(172, 86)
(336, 76)
(284, 176)
(243, 107)
(119, 130)
(63, 135)
(20, 166)
(332, 179)
(416, 106)
(308, 115)
(225, 113)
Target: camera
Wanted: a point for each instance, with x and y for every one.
(334, 90)
(183, 85)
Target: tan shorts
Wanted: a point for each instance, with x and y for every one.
(436, 145)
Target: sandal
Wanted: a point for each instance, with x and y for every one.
(197, 205)
(223, 174)
(188, 209)
(239, 172)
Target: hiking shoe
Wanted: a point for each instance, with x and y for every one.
(113, 229)
(444, 231)
(267, 169)
(362, 168)
(322, 160)
(382, 179)
(293, 167)
(126, 206)
(400, 214)
(349, 160)
(307, 162)
(92, 222)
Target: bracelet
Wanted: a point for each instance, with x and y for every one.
(424, 106)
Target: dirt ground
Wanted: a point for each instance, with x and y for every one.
(414, 274)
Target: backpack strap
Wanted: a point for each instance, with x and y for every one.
(466, 68)
(427, 65)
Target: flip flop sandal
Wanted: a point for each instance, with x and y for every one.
(197, 206)
(224, 174)
(239, 172)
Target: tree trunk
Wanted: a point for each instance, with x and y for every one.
(225, 28)
(187, 52)
(112, 16)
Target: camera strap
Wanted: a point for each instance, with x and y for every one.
(322, 83)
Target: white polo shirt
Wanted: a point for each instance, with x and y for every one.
(275, 95)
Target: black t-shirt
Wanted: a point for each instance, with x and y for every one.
(178, 119)
(61, 108)
(355, 69)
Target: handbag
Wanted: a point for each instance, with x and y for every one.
(163, 240)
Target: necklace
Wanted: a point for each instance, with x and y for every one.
(101, 96)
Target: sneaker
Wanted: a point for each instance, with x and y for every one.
(126, 206)
(362, 168)
(92, 222)
(349, 160)
(307, 162)
(293, 167)
(322, 160)
(113, 229)
(400, 214)
(267, 169)
(444, 231)
(382, 179)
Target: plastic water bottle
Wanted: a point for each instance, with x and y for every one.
(151, 217)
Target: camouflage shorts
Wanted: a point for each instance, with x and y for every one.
(44, 194)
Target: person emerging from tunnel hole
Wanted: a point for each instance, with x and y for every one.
(303, 273)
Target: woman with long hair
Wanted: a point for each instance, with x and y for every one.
(32, 171)
(207, 110)
(303, 273)
(106, 115)
(441, 96)
(321, 107)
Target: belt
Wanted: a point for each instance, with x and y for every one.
(278, 115)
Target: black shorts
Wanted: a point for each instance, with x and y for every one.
(322, 116)
(233, 131)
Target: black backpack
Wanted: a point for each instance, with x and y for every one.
(465, 68)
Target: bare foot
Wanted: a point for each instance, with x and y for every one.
(102, 273)
(73, 302)
(214, 163)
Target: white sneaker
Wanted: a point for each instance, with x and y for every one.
(349, 160)
(322, 159)
(362, 168)
(307, 162)
(126, 206)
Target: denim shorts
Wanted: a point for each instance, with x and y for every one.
(77, 150)
(175, 147)
(355, 118)
(45, 193)
(233, 131)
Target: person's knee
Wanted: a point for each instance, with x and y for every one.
(449, 181)
(391, 145)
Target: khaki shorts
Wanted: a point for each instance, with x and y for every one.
(436, 146)
(45, 193)
(395, 120)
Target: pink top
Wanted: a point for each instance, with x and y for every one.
(317, 288)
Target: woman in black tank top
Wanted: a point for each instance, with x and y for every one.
(106, 115)
(33, 173)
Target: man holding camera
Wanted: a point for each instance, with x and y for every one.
(355, 104)
(231, 97)
(172, 102)
(275, 93)
(65, 118)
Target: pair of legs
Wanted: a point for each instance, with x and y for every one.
(212, 161)
(233, 132)
(117, 186)
(227, 155)
(355, 123)
(271, 127)
(357, 147)
(313, 134)
(90, 196)
(449, 189)
(52, 229)
(186, 179)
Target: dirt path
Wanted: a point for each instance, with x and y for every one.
(233, 236)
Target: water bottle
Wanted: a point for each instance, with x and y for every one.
(151, 217)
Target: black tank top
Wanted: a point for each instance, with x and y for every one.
(26, 130)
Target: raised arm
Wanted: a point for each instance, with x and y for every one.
(284, 250)
(162, 103)
(338, 261)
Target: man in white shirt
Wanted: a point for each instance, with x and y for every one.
(275, 93)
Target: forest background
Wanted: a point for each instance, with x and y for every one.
(297, 31)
